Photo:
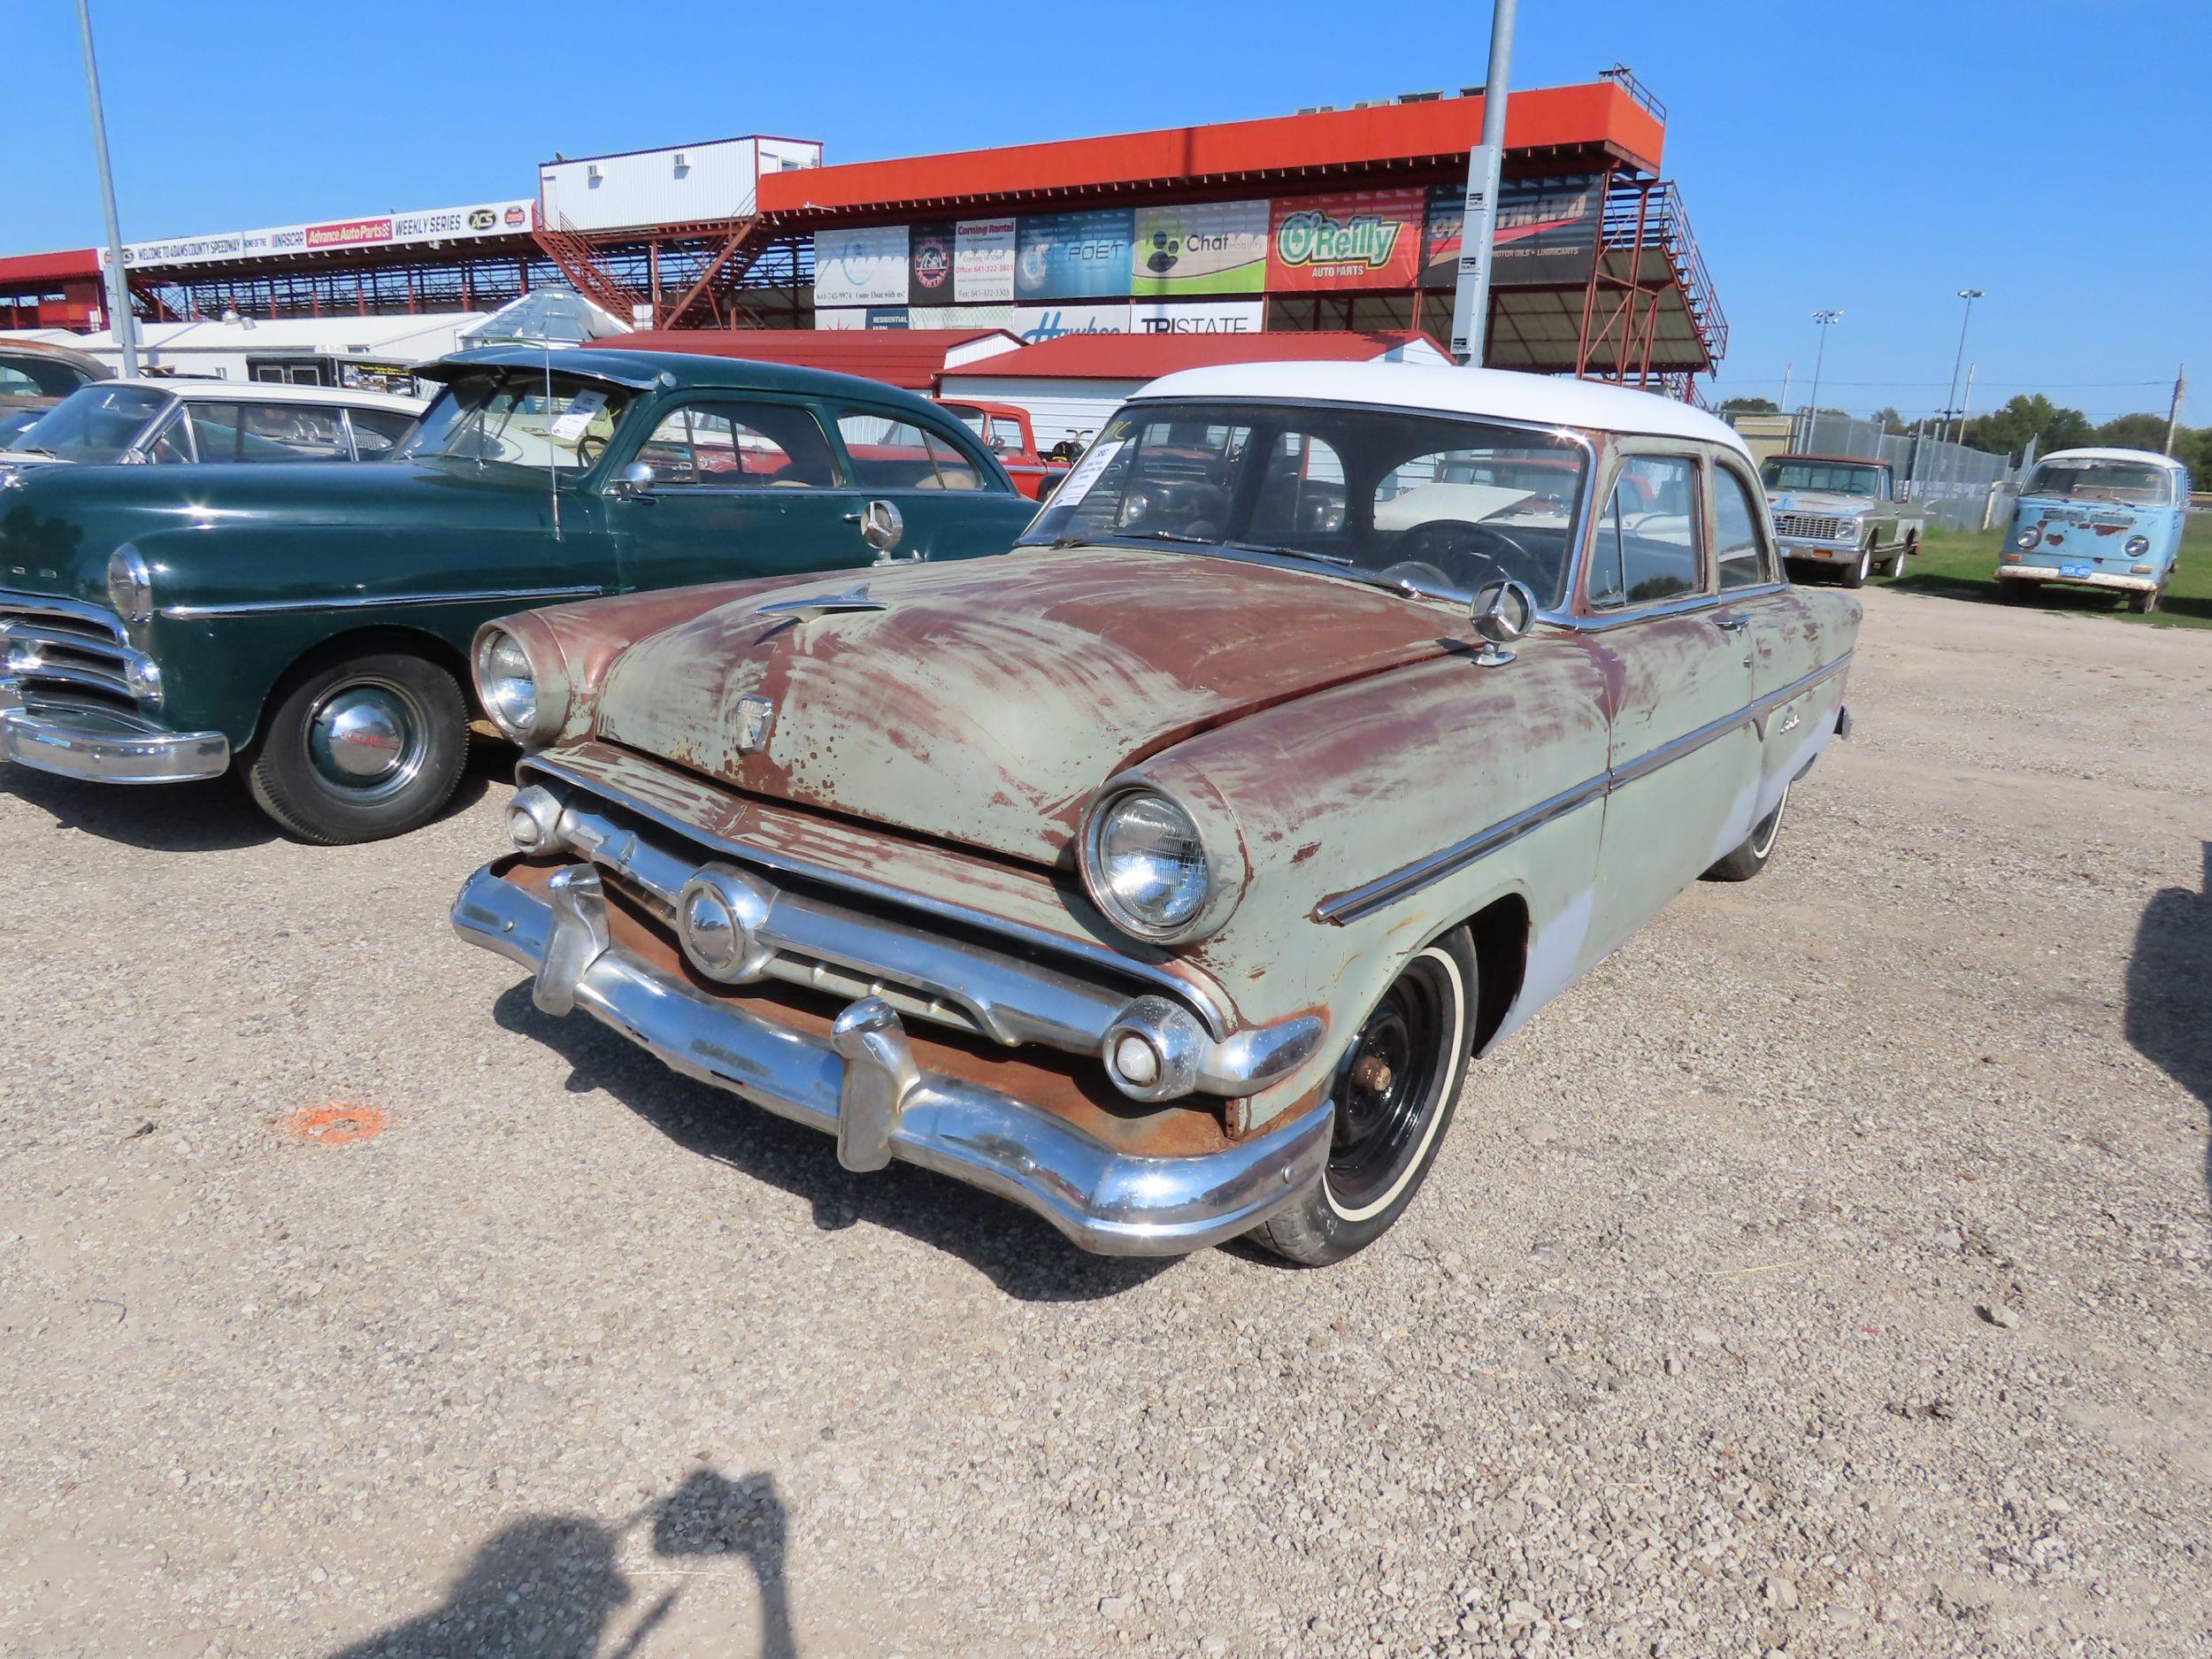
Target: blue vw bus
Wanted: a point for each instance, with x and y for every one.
(2098, 518)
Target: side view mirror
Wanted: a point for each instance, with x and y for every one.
(636, 483)
(881, 526)
(1501, 613)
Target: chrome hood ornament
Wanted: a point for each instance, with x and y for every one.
(818, 605)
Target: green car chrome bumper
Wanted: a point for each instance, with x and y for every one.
(104, 745)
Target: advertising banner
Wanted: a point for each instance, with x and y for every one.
(983, 262)
(1200, 247)
(433, 224)
(1362, 239)
(1037, 323)
(860, 267)
(1073, 255)
(961, 317)
(1197, 316)
(1547, 233)
(929, 263)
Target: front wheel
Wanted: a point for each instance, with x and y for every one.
(1855, 577)
(2144, 603)
(1751, 857)
(361, 748)
(1396, 1090)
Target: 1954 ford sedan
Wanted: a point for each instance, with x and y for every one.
(1166, 875)
(307, 625)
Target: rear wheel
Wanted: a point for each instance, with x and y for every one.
(1896, 565)
(1758, 846)
(1396, 1090)
(360, 749)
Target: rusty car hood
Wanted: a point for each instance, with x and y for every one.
(987, 700)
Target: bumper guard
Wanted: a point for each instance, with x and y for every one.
(102, 745)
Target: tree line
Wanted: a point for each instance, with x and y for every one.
(2034, 417)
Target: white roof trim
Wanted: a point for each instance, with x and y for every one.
(1502, 394)
(2166, 461)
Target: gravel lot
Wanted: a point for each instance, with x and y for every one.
(1828, 1273)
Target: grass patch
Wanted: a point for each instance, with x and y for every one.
(1963, 565)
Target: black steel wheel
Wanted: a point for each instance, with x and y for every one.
(1395, 1089)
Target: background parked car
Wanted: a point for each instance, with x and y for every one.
(2109, 518)
(1843, 513)
(35, 376)
(1165, 875)
(1006, 428)
(170, 423)
(308, 624)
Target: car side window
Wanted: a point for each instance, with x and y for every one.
(291, 432)
(1648, 538)
(169, 446)
(733, 445)
(888, 453)
(214, 430)
(1739, 552)
(378, 432)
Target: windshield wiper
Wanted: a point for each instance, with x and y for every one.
(1337, 560)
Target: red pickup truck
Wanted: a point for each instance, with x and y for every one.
(1006, 429)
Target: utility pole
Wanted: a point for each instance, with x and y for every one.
(2173, 417)
(1478, 232)
(1969, 296)
(119, 320)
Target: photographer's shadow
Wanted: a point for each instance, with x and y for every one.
(551, 1587)
(1021, 1254)
(2169, 1015)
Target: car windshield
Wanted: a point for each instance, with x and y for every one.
(2137, 482)
(96, 422)
(522, 419)
(1842, 477)
(1434, 504)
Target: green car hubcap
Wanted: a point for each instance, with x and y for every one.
(368, 740)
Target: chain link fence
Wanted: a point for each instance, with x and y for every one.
(1961, 488)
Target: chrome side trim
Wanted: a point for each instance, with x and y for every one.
(373, 602)
(1114, 1203)
(1197, 995)
(1384, 890)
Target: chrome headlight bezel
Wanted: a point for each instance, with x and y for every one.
(130, 585)
(1217, 897)
(2137, 546)
(531, 725)
(2029, 539)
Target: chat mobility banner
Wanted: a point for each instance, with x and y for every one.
(1073, 255)
(1546, 232)
(1362, 239)
(1199, 247)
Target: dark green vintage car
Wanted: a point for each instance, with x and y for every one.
(308, 625)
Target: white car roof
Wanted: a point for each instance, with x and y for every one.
(2166, 461)
(274, 392)
(1503, 393)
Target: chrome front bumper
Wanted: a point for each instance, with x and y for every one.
(2094, 579)
(864, 1086)
(102, 745)
(1829, 552)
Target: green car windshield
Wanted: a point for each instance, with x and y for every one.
(522, 418)
(1432, 504)
(1841, 477)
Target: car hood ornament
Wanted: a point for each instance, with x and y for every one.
(818, 605)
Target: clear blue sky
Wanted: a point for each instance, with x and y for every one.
(1875, 156)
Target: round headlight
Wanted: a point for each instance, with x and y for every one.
(507, 684)
(2138, 545)
(2029, 537)
(1148, 865)
(130, 585)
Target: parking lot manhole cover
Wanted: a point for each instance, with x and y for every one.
(338, 1126)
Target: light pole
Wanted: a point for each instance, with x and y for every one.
(119, 282)
(1471, 297)
(1951, 397)
(1826, 319)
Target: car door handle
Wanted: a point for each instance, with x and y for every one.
(852, 517)
(1731, 625)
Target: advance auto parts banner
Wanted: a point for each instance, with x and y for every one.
(1546, 232)
(1200, 247)
(1073, 255)
(1365, 239)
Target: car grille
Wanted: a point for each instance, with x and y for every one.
(1812, 528)
(76, 651)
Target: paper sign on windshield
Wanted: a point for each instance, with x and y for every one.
(577, 418)
(1095, 462)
